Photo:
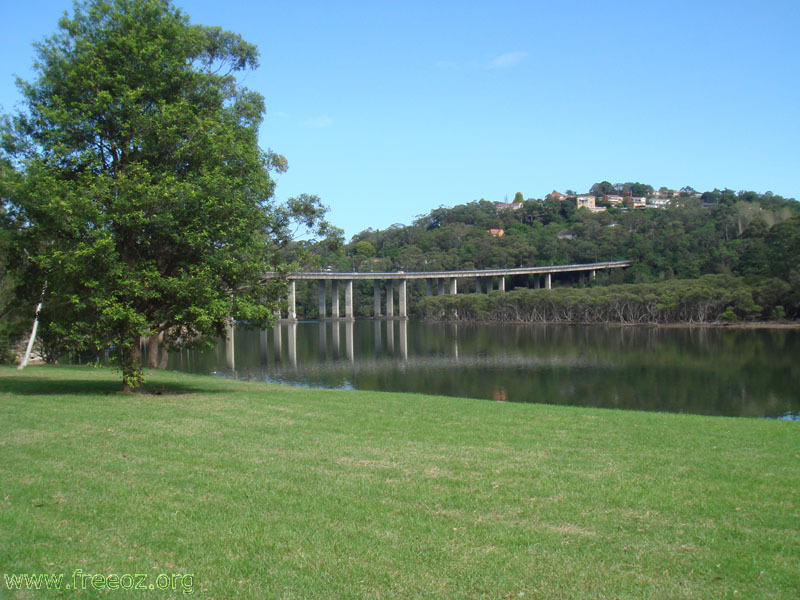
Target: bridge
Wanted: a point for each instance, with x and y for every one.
(441, 281)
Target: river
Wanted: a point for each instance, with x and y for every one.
(710, 371)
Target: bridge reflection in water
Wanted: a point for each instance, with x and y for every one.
(389, 336)
(698, 370)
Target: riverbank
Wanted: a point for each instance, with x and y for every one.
(262, 491)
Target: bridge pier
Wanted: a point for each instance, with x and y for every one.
(230, 355)
(390, 299)
(321, 298)
(348, 300)
(335, 299)
(292, 301)
(453, 285)
(441, 286)
(401, 293)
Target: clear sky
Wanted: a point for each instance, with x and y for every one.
(389, 109)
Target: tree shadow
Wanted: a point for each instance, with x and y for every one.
(64, 386)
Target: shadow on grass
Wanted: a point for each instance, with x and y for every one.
(63, 386)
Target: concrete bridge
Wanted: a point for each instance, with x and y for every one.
(441, 281)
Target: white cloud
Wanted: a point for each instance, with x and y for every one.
(318, 122)
(509, 59)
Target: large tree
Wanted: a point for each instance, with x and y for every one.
(144, 202)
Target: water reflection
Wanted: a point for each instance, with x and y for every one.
(698, 370)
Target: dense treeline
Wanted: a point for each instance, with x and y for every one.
(744, 234)
(711, 298)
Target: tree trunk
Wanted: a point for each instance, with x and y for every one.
(152, 351)
(162, 364)
(32, 338)
(131, 363)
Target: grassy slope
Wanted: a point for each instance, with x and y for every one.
(270, 492)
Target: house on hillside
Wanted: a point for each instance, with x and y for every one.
(613, 199)
(507, 205)
(659, 202)
(589, 202)
(497, 232)
(638, 201)
(557, 195)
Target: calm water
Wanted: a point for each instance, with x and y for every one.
(711, 371)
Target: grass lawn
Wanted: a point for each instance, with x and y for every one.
(257, 491)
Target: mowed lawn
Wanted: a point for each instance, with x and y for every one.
(260, 491)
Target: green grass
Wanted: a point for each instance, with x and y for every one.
(262, 491)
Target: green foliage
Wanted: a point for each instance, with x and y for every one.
(708, 299)
(744, 234)
(143, 199)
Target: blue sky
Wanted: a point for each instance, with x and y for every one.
(389, 109)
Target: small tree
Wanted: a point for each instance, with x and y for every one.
(144, 199)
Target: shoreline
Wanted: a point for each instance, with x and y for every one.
(710, 325)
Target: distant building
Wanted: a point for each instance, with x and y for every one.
(557, 195)
(659, 202)
(497, 232)
(613, 199)
(508, 205)
(585, 202)
(638, 201)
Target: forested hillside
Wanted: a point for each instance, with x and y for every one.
(743, 234)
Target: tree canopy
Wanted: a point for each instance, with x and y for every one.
(140, 195)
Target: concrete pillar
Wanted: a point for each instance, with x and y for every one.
(441, 286)
(335, 299)
(323, 339)
(376, 299)
(548, 281)
(292, 301)
(404, 339)
(489, 285)
(401, 297)
(276, 342)
(229, 339)
(478, 287)
(321, 295)
(389, 299)
(536, 282)
(377, 334)
(348, 299)
(593, 274)
(502, 283)
(428, 288)
(292, 335)
(263, 355)
(348, 340)
(453, 286)
(335, 338)
(390, 336)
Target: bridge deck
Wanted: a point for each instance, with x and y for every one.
(334, 275)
